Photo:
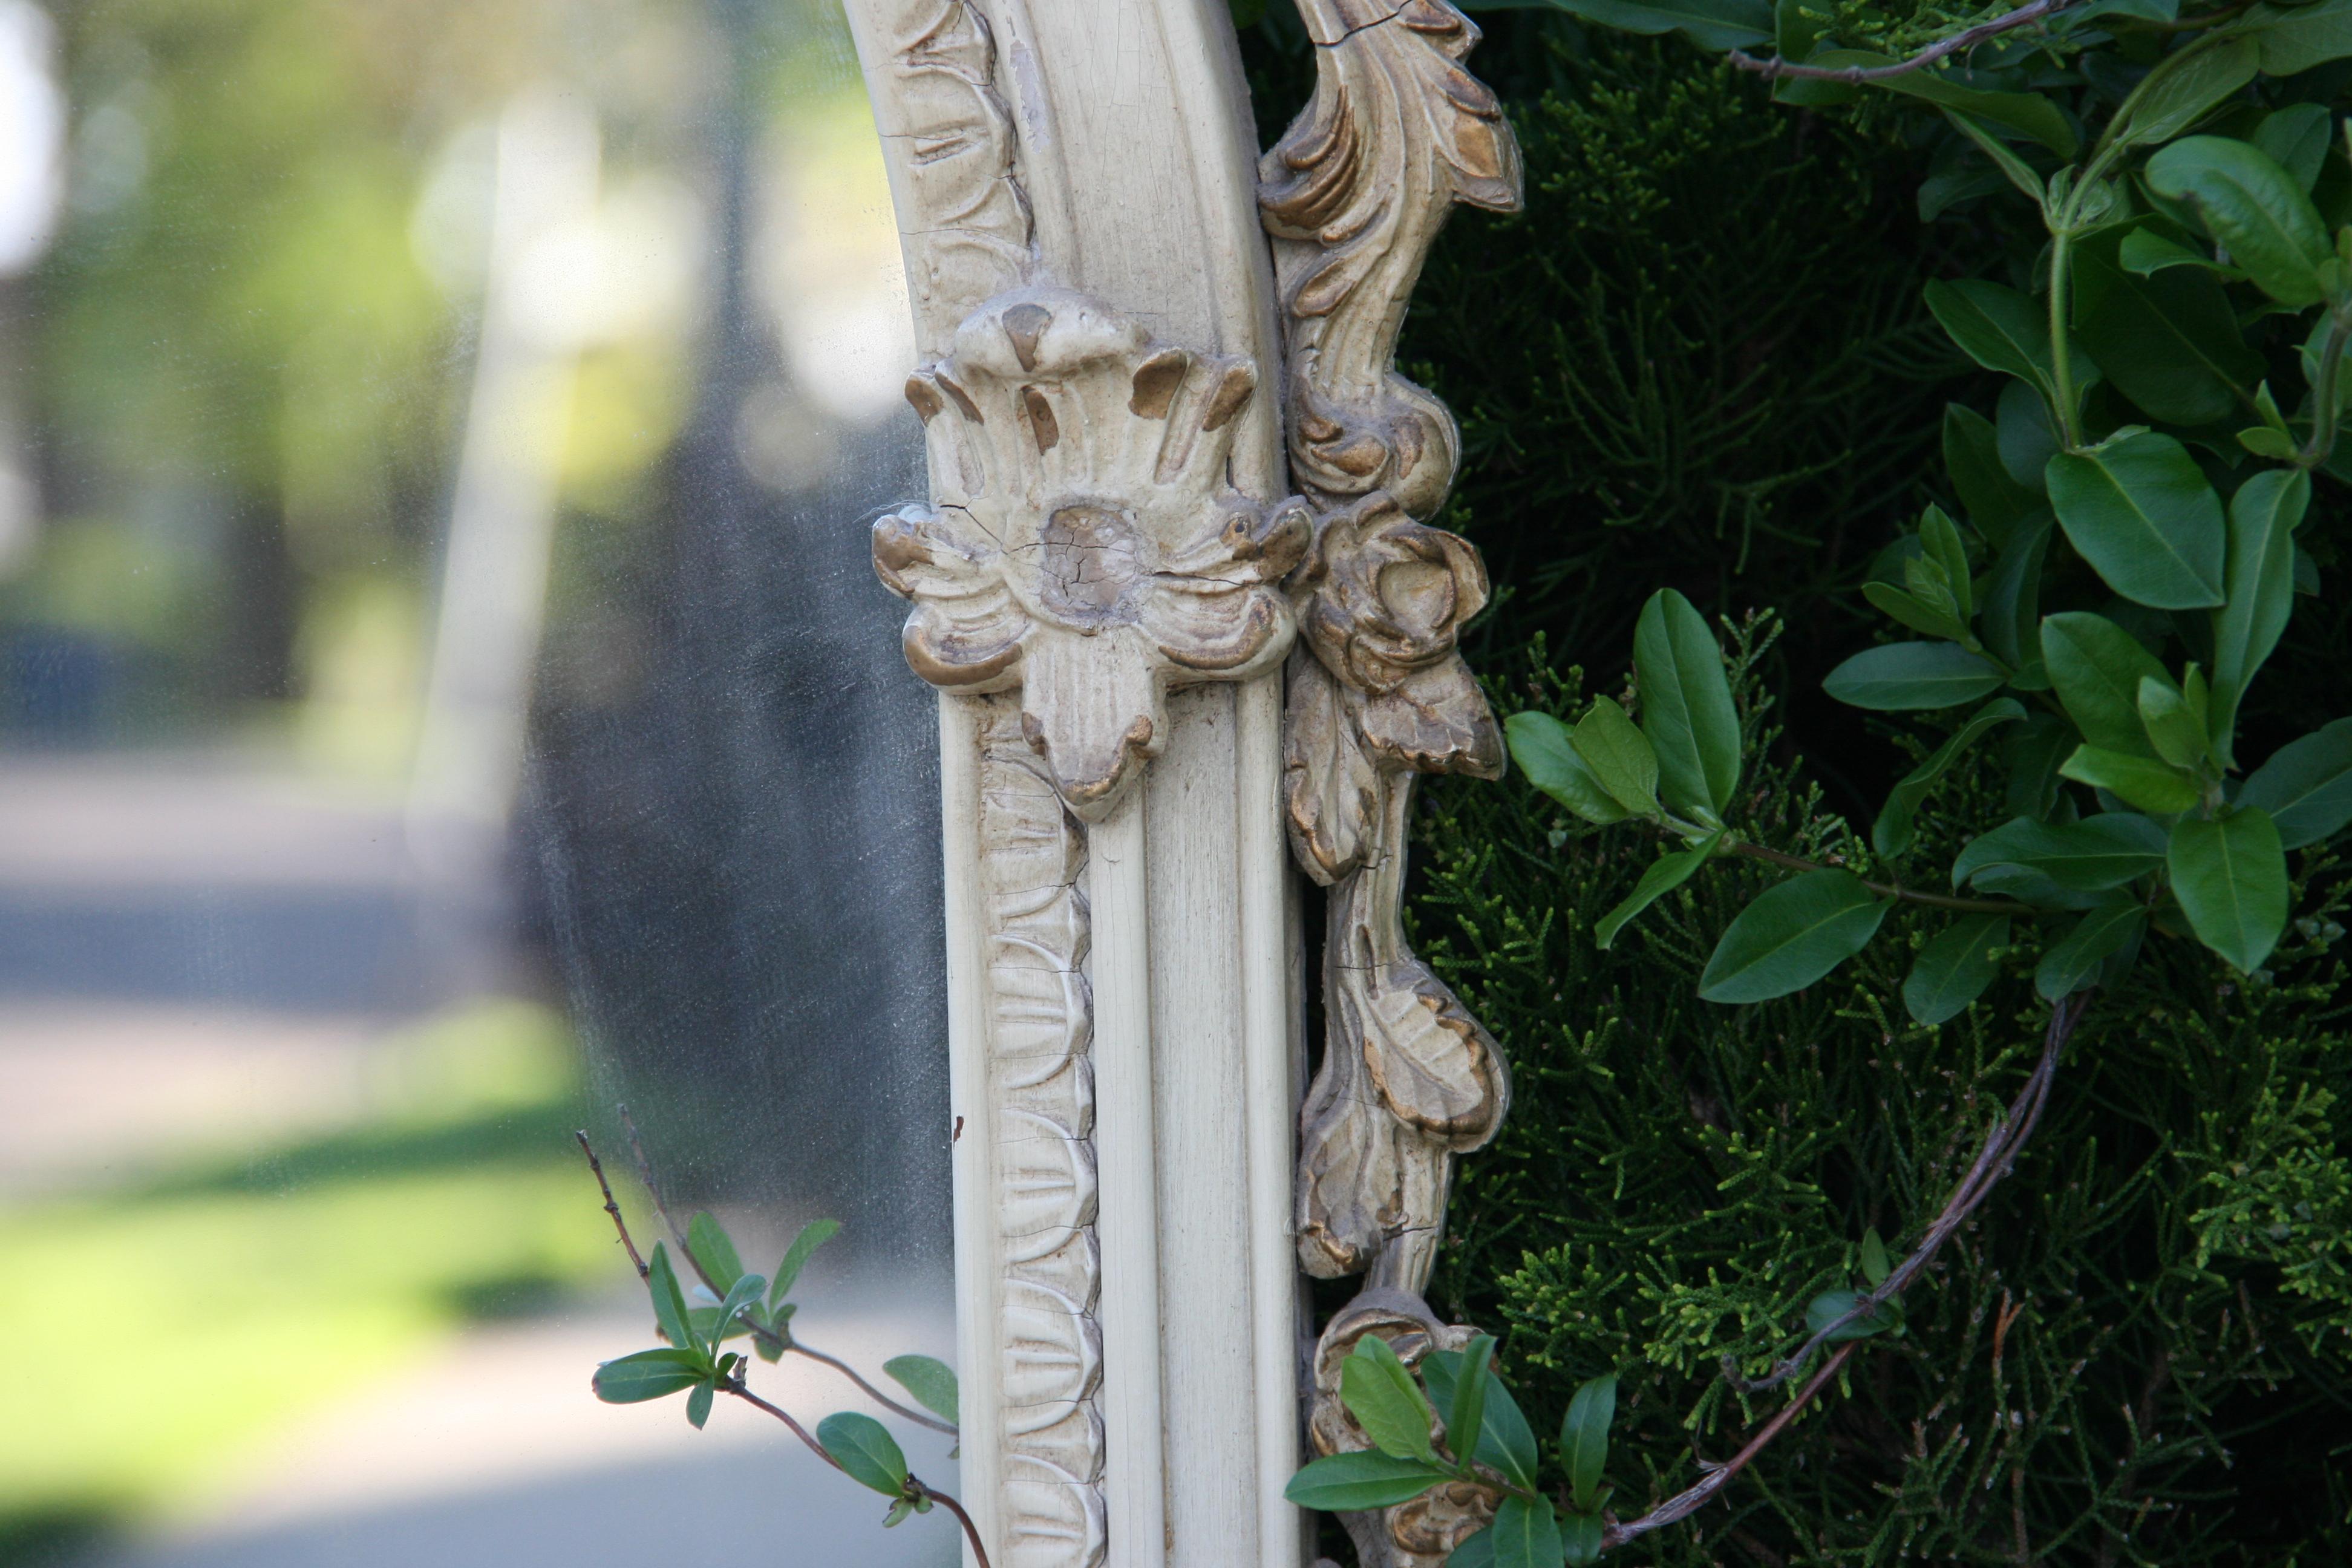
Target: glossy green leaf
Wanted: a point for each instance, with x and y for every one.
(743, 1294)
(698, 1403)
(2145, 252)
(1908, 609)
(1665, 874)
(1465, 1411)
(1792, 936)
(1709, 23)
(1478, 1551)
(1912, 675)
(1380, 1394)
(1939, 536)
(1893, 832)
(2254, 207)
(1996, 326)
(2029, 112)
(1344, 1483)
(904, 1506)
(2138, 509)
(2186, 86)
(648, 1374)
(2144, 781)
(2073, 961)
(1506, 1442)
(2087, 857)
(714, 1251)
(1619, 756)
(1875, 1265)
(1580, 1538)
(2169, 341)
(930, 1381)
(2014, 168)
(1686, 709)
(2012, 619)
(1584, 1439)
(2307, 786)
(2297, 138)
(813, 1235)
(2260, 583)
(669, 1300)
(1831, 1305)
(1994, 502)
(2230, 878)
(863, 1448)
(2295, 37)
(2023, 433)
(2032, 753)
(1955, 969)
(1527, 1534)
(2175, 728)
(1541, 751)
(2097, 667)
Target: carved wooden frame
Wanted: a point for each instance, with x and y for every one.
(1165, 637)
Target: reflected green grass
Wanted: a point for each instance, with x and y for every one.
(160, 1333)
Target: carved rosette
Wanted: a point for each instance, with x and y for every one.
(1088, 548)
(1397, 134)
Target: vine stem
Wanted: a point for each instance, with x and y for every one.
(2062, 360)
(1769, 67)
(1888, 890)
(1689, 1501)
(787, 1342)
(1994, 1161)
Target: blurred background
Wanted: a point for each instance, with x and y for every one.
(444, 698)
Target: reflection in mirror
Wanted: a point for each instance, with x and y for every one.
(444, 698)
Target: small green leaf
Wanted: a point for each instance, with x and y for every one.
(1686, 709)
(931, 1382)
(1830, 1306)
(1792, 936)
(1709, 23)
(1539, 745)
(2097, 667)
(1954, 970)
(2176, 731)
(1995, 501)
(1478, 1551)
(2031, 112)
(1584, 1439)
(1345, 1483)
(1665, 875)
(2138, 509)
(813, 1235)
(1907, 675)
(2143, 781)
(903, 1506)
(698, 1403)
(2145, 252)
(2296, 138)
(863, 1448)
(712, 1249)
(1997, 327)
(1620, 755)
(1506, 1443)
(1581, 1537)
(2013, 168)
(1380, 1394)
(2263, 516)
(2254, 207)
(648, 1374)
(1465, 1412)
(1911, 610)
(1941, 537)
(670, 1302)
(2184, 87)
(2307, 786)
(2170, 342)
(1527, 1534)
(2012, 597)
(2087, 857)
(1893, 832)
(743, 1296)
(2295, 39)
(2230, 878)
(2264, 442)
(2073, 962)
(1874, 1264)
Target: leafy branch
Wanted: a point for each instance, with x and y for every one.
(1771, 66)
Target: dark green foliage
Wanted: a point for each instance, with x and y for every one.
(1677, 1179)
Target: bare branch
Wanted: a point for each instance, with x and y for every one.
(1773, 66)
(611, 1207)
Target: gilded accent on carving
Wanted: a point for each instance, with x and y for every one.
(1397, 134)
(1087, 546)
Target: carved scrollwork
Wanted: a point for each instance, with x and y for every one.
(973, 235)
(1087, 546)
(1398, 132)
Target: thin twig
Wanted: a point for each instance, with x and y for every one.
(916, 1488)
(611, 1207)
(1684, 1503)
(1992, 1163)
(1774, 66)
(1890, 889)
(970, 1530)
(783, 1342)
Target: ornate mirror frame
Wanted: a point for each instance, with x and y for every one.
(1176, 586)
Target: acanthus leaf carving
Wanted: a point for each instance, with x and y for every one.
(1398, 132)
(1087, 546)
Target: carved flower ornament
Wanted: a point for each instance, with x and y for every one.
(1087, 546)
